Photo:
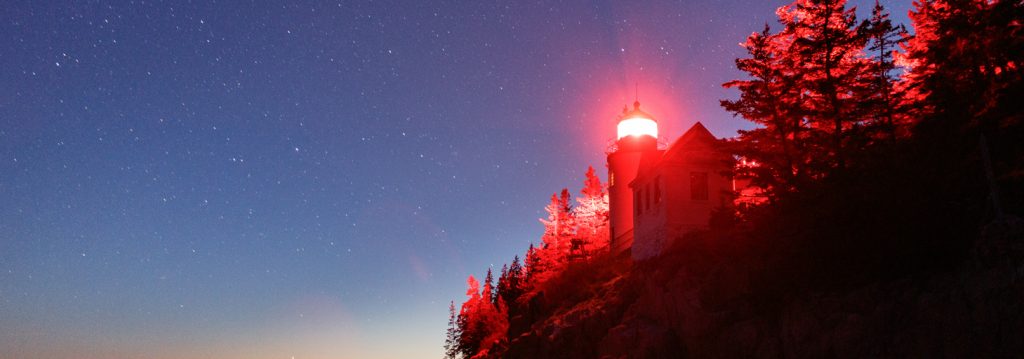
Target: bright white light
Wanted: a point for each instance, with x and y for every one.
(638, 126)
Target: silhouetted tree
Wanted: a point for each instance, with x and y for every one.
(828, 52)
(966, 75)
(510, 283)
(770, 99)
(488, 291)
(534, 267)
(882, 99)
(502, 286)
(451, 341)
(515, 282)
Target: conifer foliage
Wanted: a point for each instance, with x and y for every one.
(882, 99)
(481, 323)
(452, 336)
(881, 150)
(822, 90)
(571, 235)
(591, 214)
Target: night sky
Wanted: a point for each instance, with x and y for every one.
(210, 179)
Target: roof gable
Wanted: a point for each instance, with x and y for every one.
(696, 136)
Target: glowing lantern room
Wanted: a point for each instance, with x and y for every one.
(636, 123)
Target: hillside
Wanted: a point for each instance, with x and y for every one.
(701, 300)
(888, 185)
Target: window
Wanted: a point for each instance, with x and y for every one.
(636, 202)
(657, 190)
(647, 197)
(699, 186)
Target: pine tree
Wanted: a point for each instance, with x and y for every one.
(591, 214)
(883, 100)
(469, 327)
(566, 224)
(829, 54)
(514, 280)
(967, 47)
(559, 231)
(966, 75)
(502, 288)
(488, 292)
(481, 323)
(806, 89)
(451, 341)
(534, 268)
(772, 100)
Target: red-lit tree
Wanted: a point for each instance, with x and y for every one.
(469, 320)
(771, 99)
(481, 323)
(966, 75)
(515, 281)
(559, 231)
(882, 99)
(534, 268)
(967, 47)
(814, 92)
(488, 292)
(502, 286)
(591, 214)
(825, 46)
(510, 283)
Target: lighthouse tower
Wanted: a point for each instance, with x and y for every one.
(636, 144)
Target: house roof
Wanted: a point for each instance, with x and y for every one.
(696, 135)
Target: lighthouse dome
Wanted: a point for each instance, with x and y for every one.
(636, 123)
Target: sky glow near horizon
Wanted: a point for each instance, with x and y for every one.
(314, 180)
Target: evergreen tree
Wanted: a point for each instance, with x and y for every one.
(566, 224)
(591, 214)
(829, 54)
(772, 100)
(534, 268)
(481, 323)
(559, 231)
(806, 90)
(967, 47)
(514, 282)
(488, 292)
(502, 288)
(451, 341)
(966, 75)
(883, 100)
(469, 319)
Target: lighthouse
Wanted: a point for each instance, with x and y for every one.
(636, 144)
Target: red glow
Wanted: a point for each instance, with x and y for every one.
(605, 100)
